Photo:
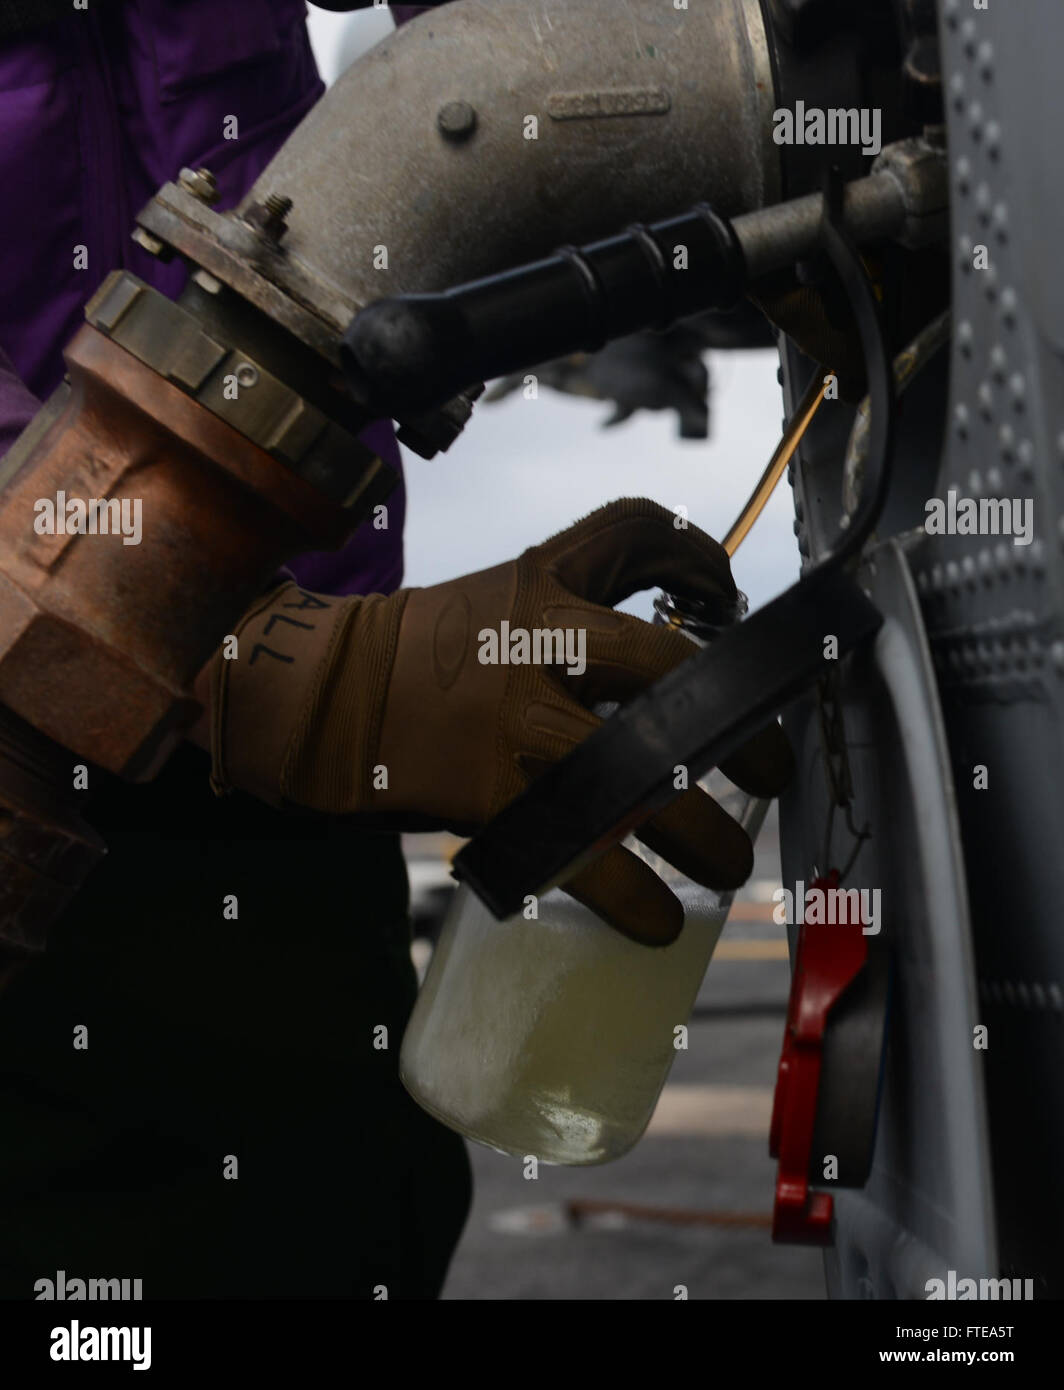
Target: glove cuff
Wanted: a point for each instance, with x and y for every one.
(330, 759)
(276, 706)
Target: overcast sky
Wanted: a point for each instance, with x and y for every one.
(524, 469)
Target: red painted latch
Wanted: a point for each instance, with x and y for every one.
(828, 960)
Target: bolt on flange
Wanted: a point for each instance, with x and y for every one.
(268, 217)
(201, 183)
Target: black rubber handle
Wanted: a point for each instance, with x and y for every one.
(414, 352)
(696, 716)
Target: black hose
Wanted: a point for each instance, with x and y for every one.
(878, 369)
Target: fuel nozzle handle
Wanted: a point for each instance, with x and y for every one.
(414, 352)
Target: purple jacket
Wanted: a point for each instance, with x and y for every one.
(98, 110)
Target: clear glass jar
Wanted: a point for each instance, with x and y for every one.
(553, 1036)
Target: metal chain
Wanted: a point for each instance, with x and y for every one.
(837, 770)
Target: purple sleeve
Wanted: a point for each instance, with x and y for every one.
(371, 561)
(18, 404)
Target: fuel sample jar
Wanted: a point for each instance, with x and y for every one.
(553, 1035)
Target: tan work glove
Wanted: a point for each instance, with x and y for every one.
(384, 707)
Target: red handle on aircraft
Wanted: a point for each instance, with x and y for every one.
(828, 959)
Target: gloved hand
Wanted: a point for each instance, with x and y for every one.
(391, 708)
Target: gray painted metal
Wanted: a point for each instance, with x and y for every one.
(906, 198)
(995, 610)
(994, 618)
(928, 1204)
(626, 131)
